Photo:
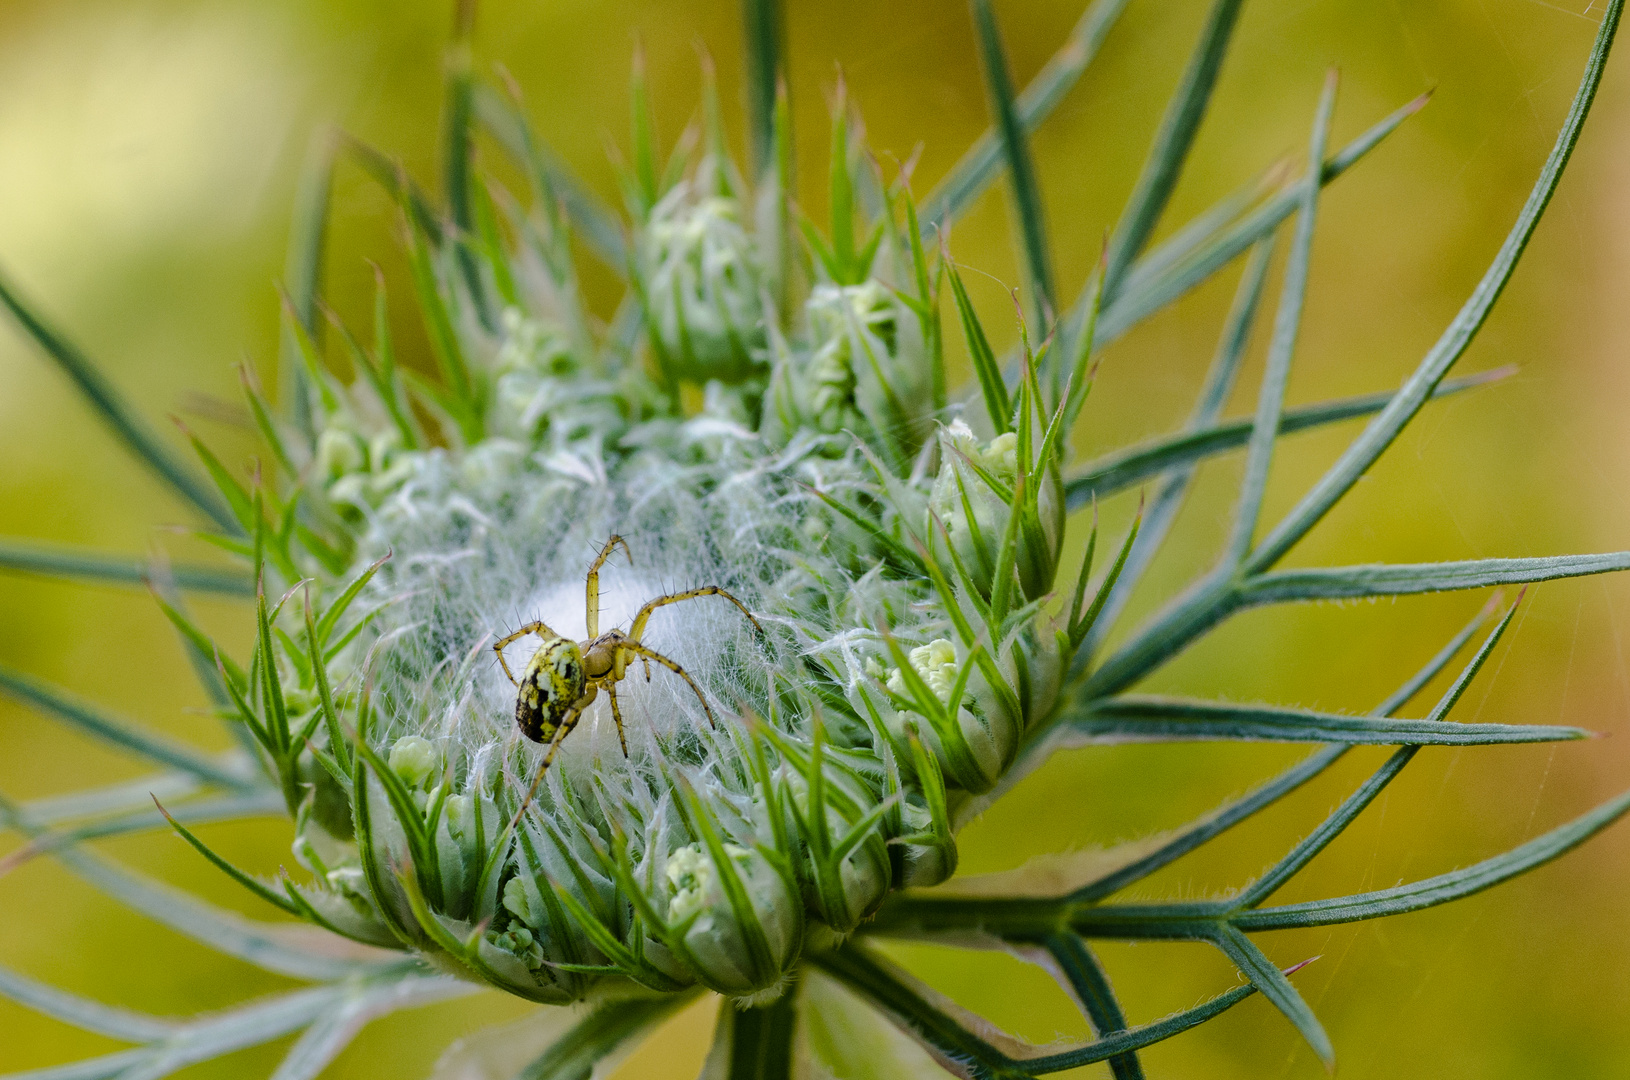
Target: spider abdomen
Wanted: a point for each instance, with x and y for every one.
(552, 684)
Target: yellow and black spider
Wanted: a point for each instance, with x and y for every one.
(564, 676)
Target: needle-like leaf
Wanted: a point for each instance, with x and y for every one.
(595, 222)
(116, 412)
(303, 272)
(82, 564)
(1091, 988)
(763, 27)
(1332, 826)
(458, 118)
(1021, 167)
(87, 1015)
(1380, 579)
(1287, 323)
(1171, 146)
(979, 165)
(1125, 468)
(1158, 520)
(1277, 989)
(1154, 292)
(123, 734)
(1444, 887)
(1133, 717)
(1457, 337)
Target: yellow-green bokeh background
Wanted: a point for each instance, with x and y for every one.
(148, 150)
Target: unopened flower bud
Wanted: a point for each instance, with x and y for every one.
(972, 503)
(703, 288)
(413, 759)
(740, 946)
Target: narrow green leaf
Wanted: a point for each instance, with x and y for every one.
(457, 149)
(980, 163)
(1091, 987)
(338, 745)
(218, 1034)
(116, 412)
(1443, 888)
(98, 724)
(1125, 468)
(647, 183)
(82, 1013)
(1343, 815)
(1287, 324)
(841, 190)
(1162, 513)
(438, 322)
(260, 803)
(1214, 824)
(1132, 306)
(896, 996)
(1118, 1045)
(985, 365)
(303, 272)
(253, 884)
(310, 354)
(390, 175)
(80, 564)
(493, 247)
(1201, 229)
(1172, 143)
(1079, 630)
(595, 222)
(276, 714)
(1021, 168)
(380, 377)
(336, 610)
(1081, 370)
(764, 30)
(332, 1032)
(1140, 717)
(928, 313)
(265, 945)
(1277, 989)
(235, 494)
(1457, 336)
(902, 556)
(261, 410)
(95, 801)
(201, 644)
(1380, 579)
(106, 1067)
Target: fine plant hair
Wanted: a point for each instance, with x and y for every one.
(768, 413)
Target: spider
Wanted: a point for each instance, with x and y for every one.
(564, 677)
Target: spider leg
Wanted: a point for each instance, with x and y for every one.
(640, 650)
(567, 723)
(535, 627)
(617, 715)
(644, 615)
(592, 585)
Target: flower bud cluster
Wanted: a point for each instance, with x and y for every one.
(761, 779)
(703, 288)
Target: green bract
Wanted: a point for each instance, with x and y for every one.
(794, 783)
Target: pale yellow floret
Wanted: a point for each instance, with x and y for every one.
(936, 663)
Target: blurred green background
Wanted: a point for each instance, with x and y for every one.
(148, 151)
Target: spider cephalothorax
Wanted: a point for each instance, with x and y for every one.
(564, 677)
